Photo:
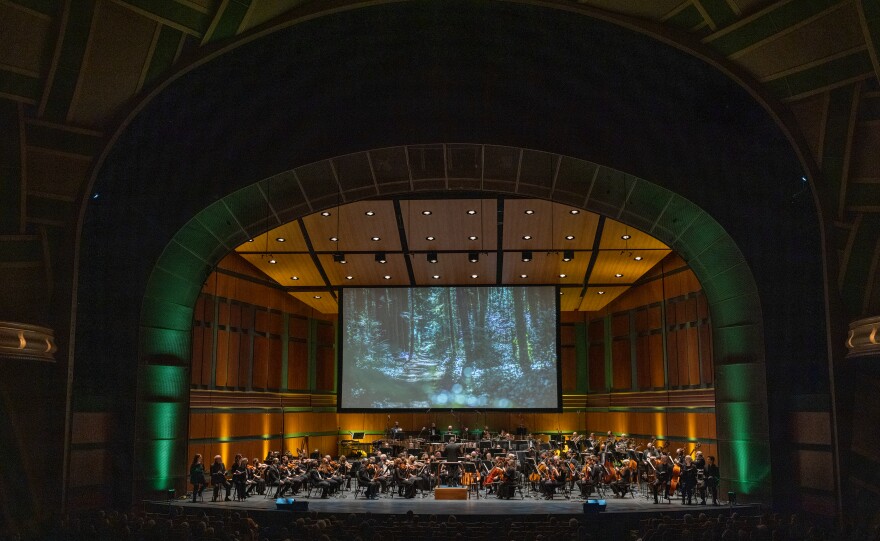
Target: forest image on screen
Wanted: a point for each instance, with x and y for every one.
(449, 347)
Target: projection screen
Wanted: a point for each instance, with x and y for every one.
(449, 348)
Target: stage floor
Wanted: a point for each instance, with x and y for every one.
(531, 504)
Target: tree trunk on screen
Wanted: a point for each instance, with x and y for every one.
(522, 344)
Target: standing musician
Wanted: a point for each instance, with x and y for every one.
(713, 476)
(433, 433)
(700, 465)
(688, 480)
(396, 431)
(661, 482)
(367, 478)
(218, 478)
(197, 476)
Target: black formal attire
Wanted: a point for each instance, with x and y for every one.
(620, 486)
(239, 480)
(433, 434)
(688, 478)
(371, 487)
(713, 476)
(316, 480)
(507, 487)
(218, 479)
(453, 454)
(272, 475)
(555, 479)
(661, 482)
(197, 478)
(587, 484)
(700, 465)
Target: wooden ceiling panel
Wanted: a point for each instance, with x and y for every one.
(454, 269)
(450, 224)
(27, 32)
(570, 300)
(614, 231)
(544, 268)
(354, 228)
(611, 263)
(365, 270)
(594, 300)
(527, 217)
(321, 301)
(286, 267)
(290, 232)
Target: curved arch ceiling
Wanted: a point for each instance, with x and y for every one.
(388, 242)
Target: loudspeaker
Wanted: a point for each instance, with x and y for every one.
(594, 507)
(290, 504)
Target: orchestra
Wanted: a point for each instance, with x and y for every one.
(582, 466)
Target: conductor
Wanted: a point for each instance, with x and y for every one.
(453, 453)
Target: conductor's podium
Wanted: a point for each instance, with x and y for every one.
(451, 493)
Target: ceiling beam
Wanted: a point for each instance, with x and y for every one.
(597, 240)
(499, 243)
(404, 246)
(315, 260)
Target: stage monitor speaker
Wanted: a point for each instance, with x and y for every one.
(291, 504)
(595, 507)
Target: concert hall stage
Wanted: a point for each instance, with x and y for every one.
(488, 508)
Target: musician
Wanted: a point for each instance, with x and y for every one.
(507, 488)
(486, 434)
(197, 476)
(587, 482)
(713, 475)
(239, 476)
(610, 442)
(620, 485)
(383, 472)
(316, 480)
(453, 450)
(700, 466)
(555, 478)
(573, 441)
(651, 451)
(273, 474)
(661, 483)
(433, 433)
(367, 478)
(218, 479)
(396, 431)
(466, 434)
(688, 480)
(255, 477)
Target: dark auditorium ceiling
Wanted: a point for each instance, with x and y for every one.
(306, 255)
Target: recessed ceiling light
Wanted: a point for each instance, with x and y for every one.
(473, 257)
(569, 237)
(272, 261)
(523, 275)
(563, 275)
(294, 277)
(349, 277)
(375, 238)
(471, 212)
(429, 237)
(317, 297)
(426, 212)
(280, 239)
(638, 258)
(380, 257)
(472, 237)
(387, 277)
(567, 255)
(574, 211)
(369, 213)
(625, 237)
(325, 214)
(527, 237)
(600, 292)
(250, 240)
(475, 275)
(334, 239)
(436, 277)
(527, 256)
(618, 275)
(530, 211)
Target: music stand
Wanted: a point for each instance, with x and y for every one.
(357, 435)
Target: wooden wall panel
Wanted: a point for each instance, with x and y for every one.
(297, 365)
(244, 359)
(261, 362)
(197, 353)
(232, 351)
(597, 367)
(658, 372)
(325, 373)
(707, 368)
(222, 358)
(643, 361)
(568, 368)
(274, 365)
(621, 365)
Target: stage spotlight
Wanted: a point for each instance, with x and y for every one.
(339, 257)
(380, 257)
(432, 257)
(527, 256)
(473, 257)
(568, 255)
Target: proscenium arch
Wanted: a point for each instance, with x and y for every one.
(472, 72)
(734, 304)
